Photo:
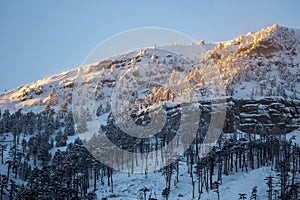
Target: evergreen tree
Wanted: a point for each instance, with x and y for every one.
(57, 123)
(61, 140)
(69, 130)
(3, 185)
(6, 121)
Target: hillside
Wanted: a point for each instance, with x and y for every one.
(251, 84)
(254, 65)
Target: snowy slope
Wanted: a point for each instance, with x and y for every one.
(251, 66)
(297, 33)
(260, 64)
(36, 96)
(128, 187)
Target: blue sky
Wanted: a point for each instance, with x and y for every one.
(42, 38)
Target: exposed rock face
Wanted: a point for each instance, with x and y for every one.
(262, 116)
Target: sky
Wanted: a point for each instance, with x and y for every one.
(43, 38)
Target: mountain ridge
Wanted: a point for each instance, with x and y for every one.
(243, 63)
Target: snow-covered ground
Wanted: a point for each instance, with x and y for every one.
(129, 187)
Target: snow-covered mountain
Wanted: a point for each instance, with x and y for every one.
(257, 75)
(253, 65)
